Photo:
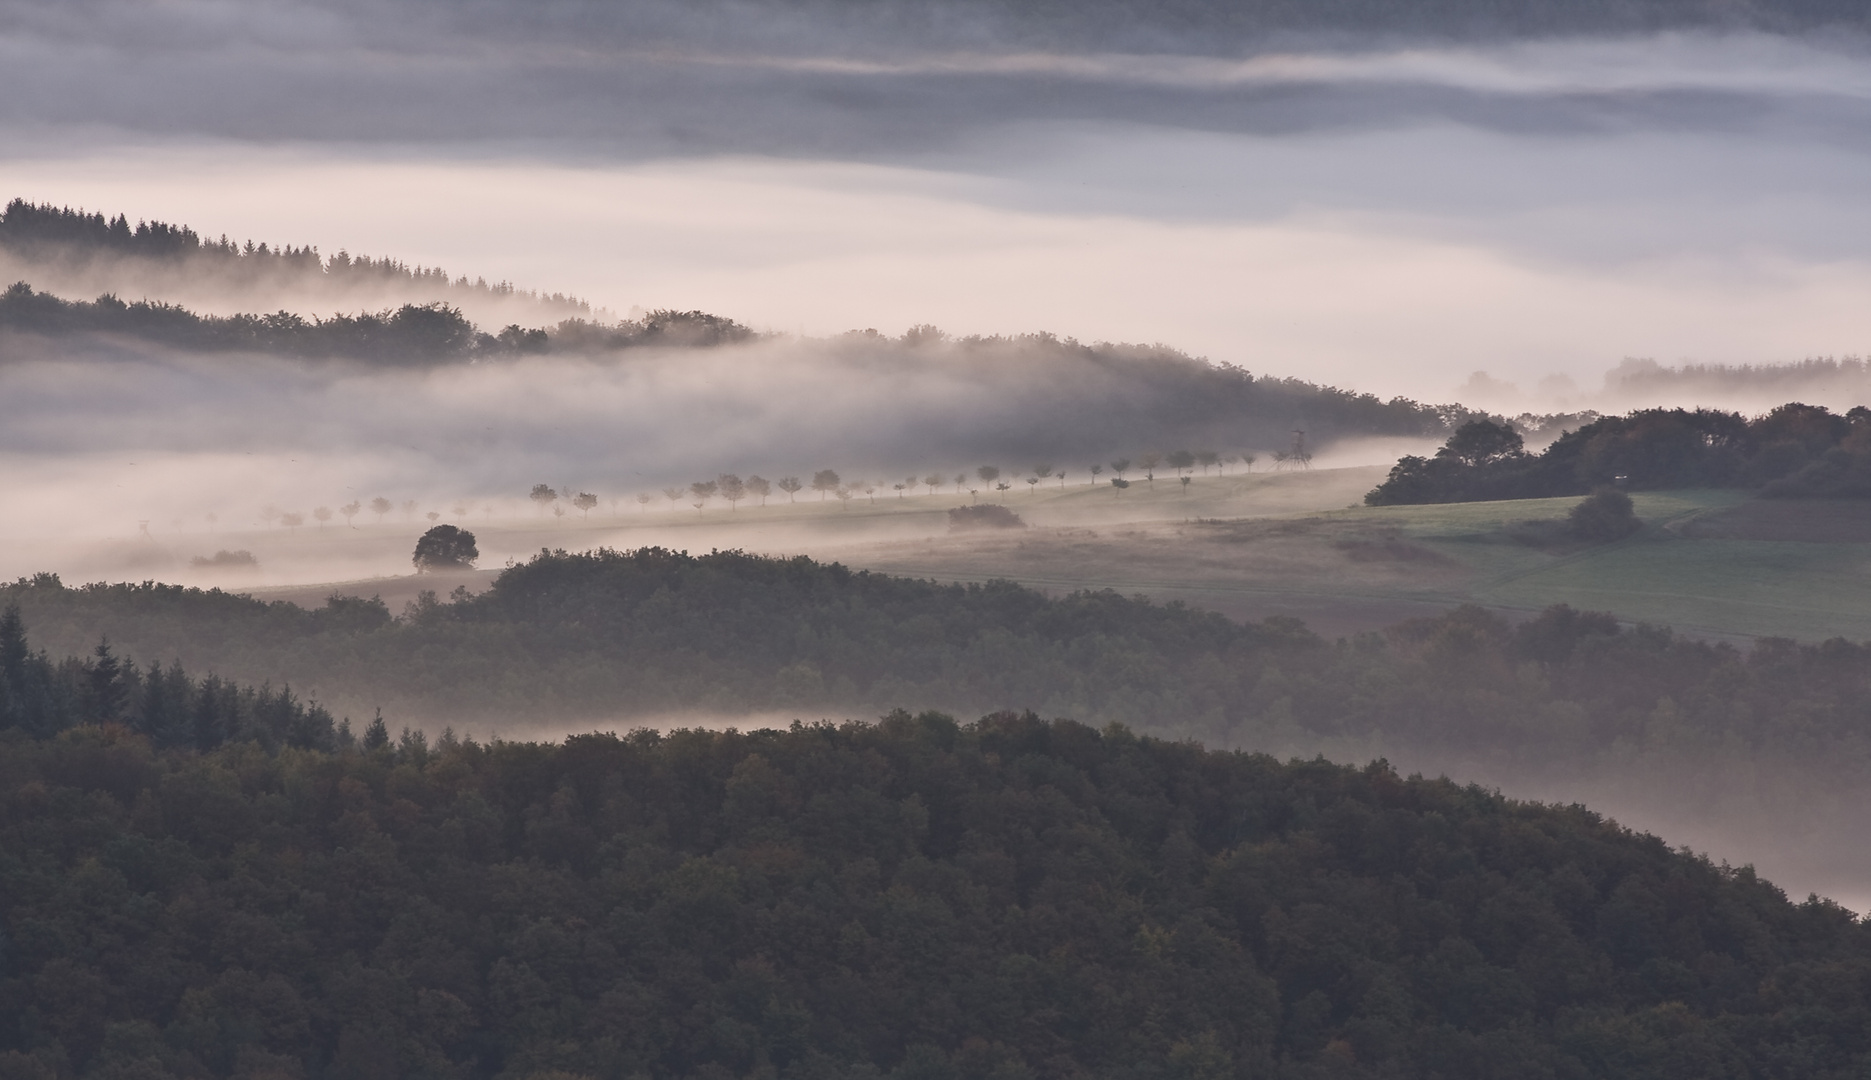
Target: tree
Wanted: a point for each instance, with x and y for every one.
(1247, 461)
(1483, 442)
(844, 497)
(445, 547)
(409, 508)
(870, 491)
(381, 506)
(433, 516)
(674, 495)
(823, 481)
(733, 489)
(1120, 466)
(1095, 470)
(703, 490)
(106, 682)
(1042, 471)
(1148, 462)
(790, 485)
(759, 487)
(1002, 487)
(292, 521)
(585, 500)
(910, 482)
(1062, 478)
(1603, 516)
(543, 496)
(1181, 461)
(323, 514)
(1207, 458)
(960, 479)
(932, 481)
(898, 488)
(1186, 481)
(349, 510)
(988, 474)
(1032, 484)
(269, 513)
(643, 501)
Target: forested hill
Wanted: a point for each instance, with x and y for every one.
(411, 334)
(916, 899)
(61, 237)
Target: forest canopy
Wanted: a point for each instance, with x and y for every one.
(1794, 450)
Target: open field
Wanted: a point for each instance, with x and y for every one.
(1297, 544)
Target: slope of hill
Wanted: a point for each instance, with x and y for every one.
(1008, 899)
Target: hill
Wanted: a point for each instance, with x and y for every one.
(1007, 899)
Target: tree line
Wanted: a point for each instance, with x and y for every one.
(914, 899)
(410, 334)
(40, 231)
(1794, 450)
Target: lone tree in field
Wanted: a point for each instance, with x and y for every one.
(823, 481)
(1095, 470)
(585, 500)
(733, 489)
(349, 510)
(1120, 466)
(445, 547)
(1604, 515)
(1148, 463)
(543, 496)
(759, 487)
(791, 486)
(323, 514)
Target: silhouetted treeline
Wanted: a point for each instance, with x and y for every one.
(42, 697)
(1005, 900)
(651, 632)
(41, 231)
(1794, 450)
(412, 333)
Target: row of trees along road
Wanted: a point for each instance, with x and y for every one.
(733, 489)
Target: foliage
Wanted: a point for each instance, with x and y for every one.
(1646, 450)
(445, 547)
(1008, 899)
(1603, 516)
(983, 516)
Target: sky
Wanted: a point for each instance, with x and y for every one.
(1391, 202)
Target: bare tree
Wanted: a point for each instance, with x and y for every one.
(349, 510)
(759, 487)
(323, 514)
(825, 480)
(1120, 466)
(380, 506)
(844, 497)
(932, 481)
(790, 485)
(1149, 462)
(543, 496)
(870, 491)
(585, 500)
(733, 489)
(674, 495)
